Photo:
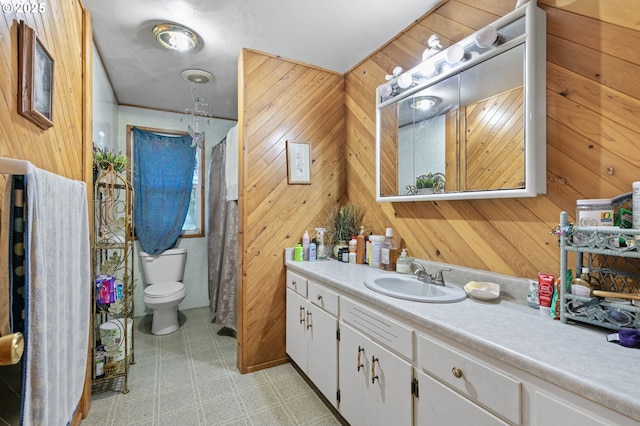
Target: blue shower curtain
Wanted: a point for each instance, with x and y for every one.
(163, 176)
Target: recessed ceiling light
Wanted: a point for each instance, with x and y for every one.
(197, 76)
(176, 37)
(424, 103)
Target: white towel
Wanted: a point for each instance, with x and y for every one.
(58, 298)
(231, 164)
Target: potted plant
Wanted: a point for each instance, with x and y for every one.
(342, 223)
(107, 159)
(430, 183)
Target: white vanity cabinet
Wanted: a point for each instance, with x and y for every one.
(455, 387)
(312, 332)
(375, 381)
(389, 370)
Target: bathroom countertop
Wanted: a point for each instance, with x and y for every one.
(574, 357)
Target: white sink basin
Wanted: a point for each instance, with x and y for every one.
(410, 288)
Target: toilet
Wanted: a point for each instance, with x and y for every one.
(163, 274)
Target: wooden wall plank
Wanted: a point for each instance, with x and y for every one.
(282, 100)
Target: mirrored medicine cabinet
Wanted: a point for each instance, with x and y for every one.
(468, 124)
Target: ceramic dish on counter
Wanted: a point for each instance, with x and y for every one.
(482, 290)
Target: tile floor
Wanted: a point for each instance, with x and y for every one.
(190, 378)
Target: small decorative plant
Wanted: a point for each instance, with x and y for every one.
(433, 181)
(104, 158)
(344, 222)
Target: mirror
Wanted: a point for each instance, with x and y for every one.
(476, 128)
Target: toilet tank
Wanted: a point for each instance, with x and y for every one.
(167, 266)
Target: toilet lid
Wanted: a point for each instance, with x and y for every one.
(163, 289)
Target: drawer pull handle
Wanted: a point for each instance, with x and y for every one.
(374, 376)
(301, 314)
(457, 372)
(360, 364)
(308, 320)
(319, 297)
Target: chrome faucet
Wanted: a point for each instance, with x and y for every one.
(439, 279)
(425, 277)
(420, 273)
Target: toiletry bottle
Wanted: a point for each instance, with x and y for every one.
(305, 246)
(320, 251)
(374, 252)
(581, 286)
(388, 252)
(403, 264)
(297, 253)
(353, 247)
(360, 247)
(312, 251)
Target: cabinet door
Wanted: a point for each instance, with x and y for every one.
(375, 384)
(322, 351)
(296, 329)
(439, 405)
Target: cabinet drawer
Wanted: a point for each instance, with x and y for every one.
(471, 377)
(394, 335)
(297, 283)
(322, 297)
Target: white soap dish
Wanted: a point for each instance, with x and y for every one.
(482, 290)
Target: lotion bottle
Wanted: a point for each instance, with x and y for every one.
(305, 246)
(312, 251)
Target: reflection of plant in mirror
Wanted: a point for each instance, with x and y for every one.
(431, 180)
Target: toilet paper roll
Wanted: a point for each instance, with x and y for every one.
(636, 205)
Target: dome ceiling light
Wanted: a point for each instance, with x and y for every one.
(176, 37)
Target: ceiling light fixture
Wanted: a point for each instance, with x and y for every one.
(176, 37)
(425, 103)
(197, 76)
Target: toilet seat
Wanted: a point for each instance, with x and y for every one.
(163, 290)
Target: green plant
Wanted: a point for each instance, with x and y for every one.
(344, 222)
(429, 180)
(103, 158)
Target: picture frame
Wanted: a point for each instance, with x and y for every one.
(298, 163)
(35, 78)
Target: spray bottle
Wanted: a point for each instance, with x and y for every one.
(320, 251)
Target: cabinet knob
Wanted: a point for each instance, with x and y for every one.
(457, 372)
(294, 284)
(319, 297)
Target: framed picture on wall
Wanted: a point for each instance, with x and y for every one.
(298, 163)
(35, 78)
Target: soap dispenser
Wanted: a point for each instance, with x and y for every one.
(403, 264)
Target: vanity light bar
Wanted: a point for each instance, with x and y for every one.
(506, 32)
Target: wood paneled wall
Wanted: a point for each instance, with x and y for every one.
(65, 29)
(593, 135)
(60, 149)
(281, 101)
